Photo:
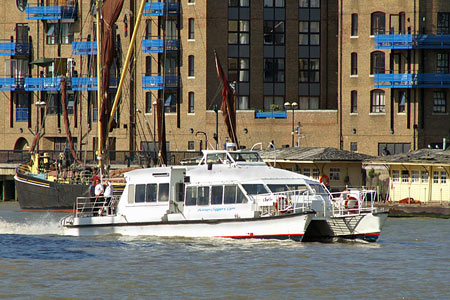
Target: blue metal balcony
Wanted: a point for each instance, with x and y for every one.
(270, 114)
(412, 41)
(84, 48)
(157, 9)
(51, 12)
(90, 83)
(10, 48)
(160, 82)
(158, 45)
(43, 84)
(421, 80)
(22, 114)
(11, 84)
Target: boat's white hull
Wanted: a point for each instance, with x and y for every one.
(280, 227)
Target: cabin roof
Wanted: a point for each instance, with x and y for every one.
(308, 154)
(421, 156)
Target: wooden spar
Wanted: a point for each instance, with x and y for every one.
(125, 67)
(99, 96)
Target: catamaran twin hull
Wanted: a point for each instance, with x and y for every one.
(291, 226)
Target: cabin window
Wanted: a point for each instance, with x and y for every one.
(216, 194)
(230, 194)
(415, 176)
(163, 192)
(151, 192)
(131, 193)
(405, 176)
(240, 197)
(180, 191)
(203, 195)
(276, 188)
(443, 177)
(318, 189)
(395, 176)
(255, 189)
(139, 195)
(424, 175)
(191, 195)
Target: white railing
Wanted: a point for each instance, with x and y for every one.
(287, 202)
(353, 202)
(95, 206)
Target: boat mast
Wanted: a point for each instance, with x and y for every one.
(99, 96)
(125, 67)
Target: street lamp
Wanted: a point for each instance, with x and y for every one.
(154, 130)
(293, 106)
(206, 139)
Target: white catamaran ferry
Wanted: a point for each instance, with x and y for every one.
(230, 194)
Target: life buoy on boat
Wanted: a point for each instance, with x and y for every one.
(324, 179)
(281, 204)
(351, 203)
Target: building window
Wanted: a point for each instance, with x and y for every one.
(377, 104)
(395, 176)
(191, 72)
(435, 177)
(378, 23)
(22, 107)
(424, 176)
(273, 3)
(393, 148)
(59, 33)
(243, 102)
(273, 32)
(442, 63)
(414, 176)
(191, 28)
(148, 102)
(307, 172)
(191, 105)
(401, 101)
(309, 70)
(191, 145)
(354, 63)
(316, 173)
(238, 69)
(354, 24)
(273, 69)
(309, 3)
(377, 62)
(170, 102)
(354, 102)
(439, 102)
(239, 3)
(308, 103)
(405, 176)
(272, 103)
(191, 1)
(443, 177)
(354, 146)
(443, 23)
(309, 33)
(238, 32)
(335, 174)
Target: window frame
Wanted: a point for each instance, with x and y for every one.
(377, 101)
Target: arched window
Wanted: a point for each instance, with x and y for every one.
(191, 72)
(377, 104)
(354, 24)
(378, 23)
(376, 62)
(191, 104)
(354, 63)
(354, 102)
(191, 28)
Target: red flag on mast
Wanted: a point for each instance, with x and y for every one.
(228, 103)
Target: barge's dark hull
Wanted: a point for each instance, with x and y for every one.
(39, 194)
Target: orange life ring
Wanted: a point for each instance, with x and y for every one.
(354, 201)
(281, 204)
(324, 179)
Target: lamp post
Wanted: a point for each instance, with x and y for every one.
(216, 135)
(293, 106)
(39, 106)
(154, 129)
(206, 139)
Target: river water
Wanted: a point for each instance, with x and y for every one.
(411, 260)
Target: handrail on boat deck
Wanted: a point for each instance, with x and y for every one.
(95, 206)
(294, 201)
(342, 205)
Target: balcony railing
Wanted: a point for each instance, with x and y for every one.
(90, 83)
(270, 114)
(22, 114)
(10, 48)
(51, 12)
(155, 9)
(11, 84)
(84, 48)
(159, 82)
(420, 80)
(43, 84)
(158, 45)
(412, 41)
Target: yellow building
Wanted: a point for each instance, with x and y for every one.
(421, 175)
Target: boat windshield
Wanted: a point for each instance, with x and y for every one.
(276, 188)
(246, 156)
(255, 189)
(216, 158)
(318, 189)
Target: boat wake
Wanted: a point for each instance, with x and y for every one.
(44, 225)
